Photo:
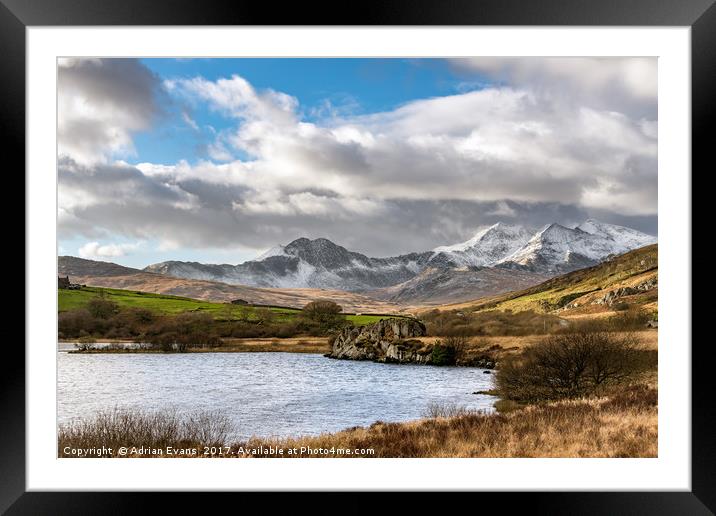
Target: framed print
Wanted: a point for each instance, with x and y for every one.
(427, 237)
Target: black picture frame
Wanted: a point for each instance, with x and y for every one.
(700, 15)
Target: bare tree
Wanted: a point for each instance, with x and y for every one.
(570, 366)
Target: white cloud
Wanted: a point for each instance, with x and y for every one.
(578, 133)
(94, 250)
(625, 84)
(237, 98)
(307, 203)
(100, 104)
(502, 209)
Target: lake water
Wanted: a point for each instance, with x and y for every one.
(265, 394)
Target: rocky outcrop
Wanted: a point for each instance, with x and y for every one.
(611, 297)
(388, 340)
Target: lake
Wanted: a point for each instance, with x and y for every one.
(265, 394)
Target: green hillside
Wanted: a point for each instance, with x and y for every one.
(585, 285)
(171, 305)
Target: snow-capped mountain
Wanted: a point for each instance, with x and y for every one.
(320, 263)
(486, 248)
(623, 239)
(304, 263)
(557, 249)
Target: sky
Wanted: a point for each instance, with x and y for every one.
(218, 160)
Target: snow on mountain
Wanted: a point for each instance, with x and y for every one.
(278, 250)
(304, 263)
(320, 263)
(624, 239)
(558, 249)
(487, 247)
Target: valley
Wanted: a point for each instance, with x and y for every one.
(613, 305)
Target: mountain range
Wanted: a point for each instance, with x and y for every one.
(111, 275)
(499, 258)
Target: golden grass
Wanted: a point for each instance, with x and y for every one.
(623, 425)
(288, 345)
(319, 345)
(234, 345)
(648, 338)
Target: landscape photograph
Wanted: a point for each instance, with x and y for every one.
(357, 257)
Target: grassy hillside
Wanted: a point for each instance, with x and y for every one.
(580, 289)
(109, 275)
(172, 305)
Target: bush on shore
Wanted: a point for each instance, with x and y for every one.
(442, 354)
(104, 319)
(571, 365)
(118, 428)
(435, 410)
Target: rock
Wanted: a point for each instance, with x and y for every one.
(487, 371)
(652, 324)
(388, 340)
(611, 297)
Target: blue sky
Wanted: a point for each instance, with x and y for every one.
(349, 86)
(218, 160)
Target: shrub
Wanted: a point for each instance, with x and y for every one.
(185, 331)
(459, 345)
(73, 322)
(102, 308)
(326, 314)
(569, 366)
(129, 428)
(264, 315)
(630, 319)
(505, 406)
(442, 355)
(435, 410)
(459, 323)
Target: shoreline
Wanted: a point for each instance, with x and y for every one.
(563, 428)
(303, 345)
(319, 345)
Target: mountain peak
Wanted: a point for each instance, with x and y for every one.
(623, 237)
(320, 263)
(320, 252)
(488, 246)
(554, 230)
(556, 247)
(304, 243)
(594, 226)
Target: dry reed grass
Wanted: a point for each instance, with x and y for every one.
(118, 428)
(622, 425)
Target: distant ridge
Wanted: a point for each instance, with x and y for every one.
(111, 275)
(320, 263)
